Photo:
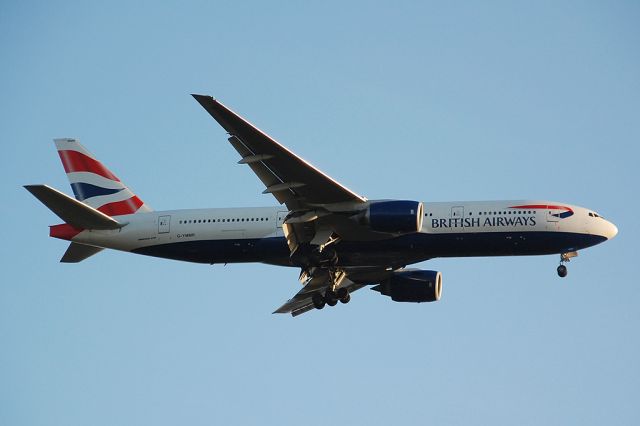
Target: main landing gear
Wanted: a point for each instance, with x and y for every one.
(564, 258)
(330, 298)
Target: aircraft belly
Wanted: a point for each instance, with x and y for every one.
(222, 251)
(422, 246)
(393, 252)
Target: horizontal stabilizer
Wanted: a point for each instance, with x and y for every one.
(79, 252)
(72, 211)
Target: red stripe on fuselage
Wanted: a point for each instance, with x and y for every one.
(74, 161)
(64, 231)
(119, 208)
(541, 206)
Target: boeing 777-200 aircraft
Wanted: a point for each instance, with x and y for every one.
(341, 241)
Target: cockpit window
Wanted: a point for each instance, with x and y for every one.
(595, 215)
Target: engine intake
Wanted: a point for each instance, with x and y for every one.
(413, 285)
(395, 216)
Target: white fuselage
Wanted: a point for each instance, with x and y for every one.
(479, 228)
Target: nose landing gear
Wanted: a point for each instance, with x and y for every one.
(564, 258)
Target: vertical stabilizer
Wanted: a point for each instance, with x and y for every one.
(94, 184)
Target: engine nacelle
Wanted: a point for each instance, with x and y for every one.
(413, 285)
(395, 216)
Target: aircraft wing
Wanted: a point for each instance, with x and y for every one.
(291, 180)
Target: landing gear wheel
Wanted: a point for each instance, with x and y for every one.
(343, 295)
(331, 298)
(562, 271)
(318, 301)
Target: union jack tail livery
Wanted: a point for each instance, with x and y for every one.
(95, 185)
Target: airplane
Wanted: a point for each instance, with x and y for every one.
(340, 240)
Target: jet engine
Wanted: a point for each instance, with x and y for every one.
(394, 216)
(412, 285)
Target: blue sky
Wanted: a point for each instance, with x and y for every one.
(423, 100)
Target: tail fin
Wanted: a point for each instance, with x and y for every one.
(93, 184)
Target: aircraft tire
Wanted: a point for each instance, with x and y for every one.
(562, 271)
(318, 301)
(331, 298)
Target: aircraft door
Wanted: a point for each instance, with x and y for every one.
(552, 221)
(281, 216)
(164, 224)
(279, 220)
(550, 215)
(457, 212)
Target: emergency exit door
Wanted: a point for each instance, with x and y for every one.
(457, 212)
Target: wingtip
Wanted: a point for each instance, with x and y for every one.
(198, 97)
(31, 188)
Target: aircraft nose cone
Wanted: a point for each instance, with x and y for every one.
(611, 231)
